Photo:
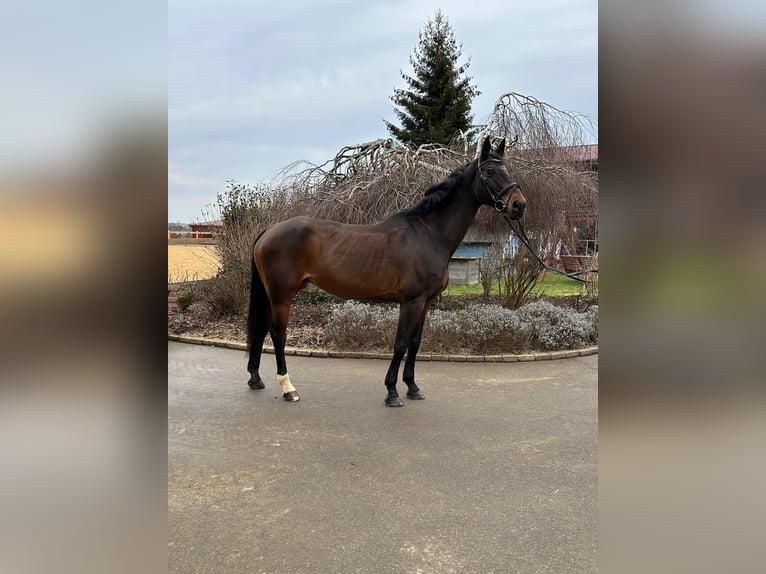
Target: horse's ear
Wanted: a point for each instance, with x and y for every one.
(485, 149)
(501, 148)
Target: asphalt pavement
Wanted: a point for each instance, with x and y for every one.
(496, 471)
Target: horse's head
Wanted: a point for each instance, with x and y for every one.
(497, 187)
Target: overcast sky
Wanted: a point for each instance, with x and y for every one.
(255, 85)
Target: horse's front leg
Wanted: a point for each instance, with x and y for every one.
(409, 319)
(413, 392)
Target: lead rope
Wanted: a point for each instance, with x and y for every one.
(522, 235)
(502, 208)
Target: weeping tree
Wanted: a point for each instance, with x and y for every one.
(544, 160)
(364, 183)
(367, 182)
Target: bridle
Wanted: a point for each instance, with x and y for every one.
(502, 208)
(497, 202)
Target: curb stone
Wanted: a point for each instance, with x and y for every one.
(533, 356)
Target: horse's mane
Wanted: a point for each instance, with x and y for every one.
(436, 194)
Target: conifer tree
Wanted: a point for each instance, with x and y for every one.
(438, 101)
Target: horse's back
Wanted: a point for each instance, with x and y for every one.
(352, 261)
(303, 235)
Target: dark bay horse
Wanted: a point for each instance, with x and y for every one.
(404, 258)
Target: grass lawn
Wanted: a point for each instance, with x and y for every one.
(553, 284)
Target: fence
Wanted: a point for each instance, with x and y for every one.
(192, 237)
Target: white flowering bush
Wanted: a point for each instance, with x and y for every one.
(359, 326)
(477, 329)
(592, 314)
(551, 327)
(485, 329)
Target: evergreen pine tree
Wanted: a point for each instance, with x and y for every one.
(438, 103)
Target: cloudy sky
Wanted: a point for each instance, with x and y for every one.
(256, 85)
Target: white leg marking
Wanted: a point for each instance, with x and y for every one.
(284, 381)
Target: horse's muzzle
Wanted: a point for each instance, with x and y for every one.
(517, 209)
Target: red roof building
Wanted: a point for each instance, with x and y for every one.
(207, 226)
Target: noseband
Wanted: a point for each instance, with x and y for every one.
(497, 202)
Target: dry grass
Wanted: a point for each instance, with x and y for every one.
(192, 262)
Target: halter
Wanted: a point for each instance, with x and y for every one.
(499, 205)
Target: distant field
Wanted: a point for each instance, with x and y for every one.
(191, 262)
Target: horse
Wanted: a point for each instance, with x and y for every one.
(402, 259)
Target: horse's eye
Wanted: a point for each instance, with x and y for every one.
(490, 172)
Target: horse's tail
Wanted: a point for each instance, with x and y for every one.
(258, 314)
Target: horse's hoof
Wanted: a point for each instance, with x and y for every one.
(394, 402)
(416, 395)
(256, 383)
(291, 397)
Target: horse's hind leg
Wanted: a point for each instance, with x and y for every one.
(256, 349)
(279, 318)
(258, 321)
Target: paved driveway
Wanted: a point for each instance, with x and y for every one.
(496, 471)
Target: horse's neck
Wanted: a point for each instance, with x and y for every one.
(450, 221)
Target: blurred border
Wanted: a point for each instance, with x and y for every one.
(83, 182)
(681, 360)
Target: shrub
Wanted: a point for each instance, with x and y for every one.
(483, 329)
(354, 325)
(477, 329)
(516, 275)
(245, 211)
(592, 314)
(225, 295)
(520, 274)
(185, 299)
(552, 327)
(489, 267)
